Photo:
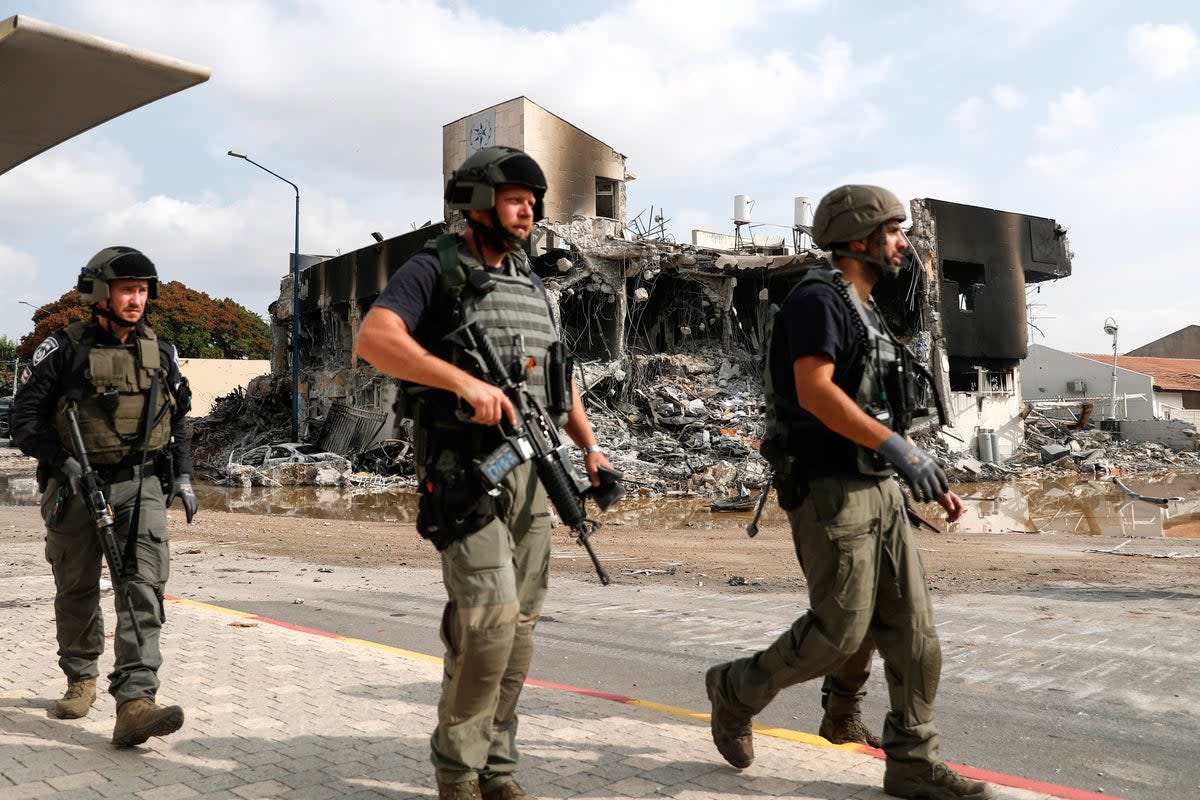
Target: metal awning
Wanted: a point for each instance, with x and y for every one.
(56, 83)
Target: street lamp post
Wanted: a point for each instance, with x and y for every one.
(295, 300)
(17, 361)
(31, 305)
(1110, 327)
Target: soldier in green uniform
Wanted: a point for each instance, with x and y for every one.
(495, 547)
(835, 388)
(131, 403)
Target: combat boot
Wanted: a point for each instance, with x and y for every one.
(508, 791)
(463, 790)
(847, 729)
(940, 783)
(138, 720)
(731, 732)
(78, 700)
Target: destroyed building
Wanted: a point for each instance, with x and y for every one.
(626, 295)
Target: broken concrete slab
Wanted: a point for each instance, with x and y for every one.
(1053, 452)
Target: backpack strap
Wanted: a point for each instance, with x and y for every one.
(453, 278)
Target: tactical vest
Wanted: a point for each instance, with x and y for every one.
(795, 436)
(513, 312)
(111, 396)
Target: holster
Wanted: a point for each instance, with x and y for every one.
(164, 468)
(452, 500)
(790, 487)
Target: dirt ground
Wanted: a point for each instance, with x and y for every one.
(650, 541)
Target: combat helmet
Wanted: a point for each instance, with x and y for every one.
(472, 187)
(115, 263)
(853, 212)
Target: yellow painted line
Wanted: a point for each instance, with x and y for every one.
(210, 607)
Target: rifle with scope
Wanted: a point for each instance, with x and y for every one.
(535, 438)
(102, 518)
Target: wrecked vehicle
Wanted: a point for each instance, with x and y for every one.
(272, 455)
(286, 464)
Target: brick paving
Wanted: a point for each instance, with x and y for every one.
(275, 712)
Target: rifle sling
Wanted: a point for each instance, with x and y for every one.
(130, 563)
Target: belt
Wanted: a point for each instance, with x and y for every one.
(122, 474)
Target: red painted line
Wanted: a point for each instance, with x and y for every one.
(300, 628)
(564, 687)
(1017, 782)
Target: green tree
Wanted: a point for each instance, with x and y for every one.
(198, 325)
(8, 355)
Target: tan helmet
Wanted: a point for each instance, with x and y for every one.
(853, 212)
(115, 263)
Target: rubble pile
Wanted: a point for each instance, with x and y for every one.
(242, 419)
(687, 422)
(1055, 446)
(680, 423)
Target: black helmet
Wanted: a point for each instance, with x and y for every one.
(115, 263)
(853, 212)
(472, 187)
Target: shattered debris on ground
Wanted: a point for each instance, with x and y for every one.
(682, 423)
(1053, 446)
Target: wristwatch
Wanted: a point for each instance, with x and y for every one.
(592, 448)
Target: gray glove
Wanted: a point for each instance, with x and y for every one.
(72, 472)
(923, 474)
(182, 488)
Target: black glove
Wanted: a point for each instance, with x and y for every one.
(72, 472)
(182, 488)
(923, 474)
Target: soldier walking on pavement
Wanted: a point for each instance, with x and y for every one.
(130, 400)
(836, 420)
(495, 547)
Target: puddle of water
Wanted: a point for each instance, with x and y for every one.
(1072, 504)
(1086, 506)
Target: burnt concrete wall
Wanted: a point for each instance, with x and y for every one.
(571, 158)
(1168, 432)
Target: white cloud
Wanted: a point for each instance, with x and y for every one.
(1074, 111)
(968, 115)
(72, 180)
(1007, 97)
(1022, 20)
(658, 79)
(17, 269)
(1155, 171)
(1057, 165)
(1164, 50)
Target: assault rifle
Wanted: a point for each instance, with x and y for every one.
(535, 438)
(102, 518)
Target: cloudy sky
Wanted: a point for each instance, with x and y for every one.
(1085, 112)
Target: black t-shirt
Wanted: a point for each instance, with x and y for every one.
(815, 320)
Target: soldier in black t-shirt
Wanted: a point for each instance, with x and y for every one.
(836, 439)
(495, 545)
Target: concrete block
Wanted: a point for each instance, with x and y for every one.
(1053, 452)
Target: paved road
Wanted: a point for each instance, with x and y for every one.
(1093, 688)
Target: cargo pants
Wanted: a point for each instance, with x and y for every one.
(496, 580)
(75, 555)
(864, 577)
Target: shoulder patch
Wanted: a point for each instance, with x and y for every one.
(44, 349)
